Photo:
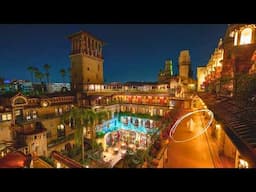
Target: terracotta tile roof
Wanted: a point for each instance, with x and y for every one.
(65, 160)
(13, 160)
(240, 128)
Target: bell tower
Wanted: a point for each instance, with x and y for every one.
(86, 61)
(184, 64)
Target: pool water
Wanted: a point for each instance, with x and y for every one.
(114, 125)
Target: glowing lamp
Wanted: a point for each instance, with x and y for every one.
(243, 163)
(58, 165)
(218, 126)
(44, 104)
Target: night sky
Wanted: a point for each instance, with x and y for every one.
(133, 52)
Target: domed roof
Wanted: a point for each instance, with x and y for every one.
(13, 160)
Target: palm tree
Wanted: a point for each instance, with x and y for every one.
(63, 74)
(100, 117)
(46, 68)
(31, 70)
(39, 75)
(84, 119)
(35, 70)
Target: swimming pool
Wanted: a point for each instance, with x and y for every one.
(140, 125)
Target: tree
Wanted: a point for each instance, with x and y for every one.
(31, 70)
(63, 74)
(47, 74)
(84, 120)
(100, 117)
(39, 75)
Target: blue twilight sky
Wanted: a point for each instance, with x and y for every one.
(133, 52)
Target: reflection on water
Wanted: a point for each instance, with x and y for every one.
(140, 125)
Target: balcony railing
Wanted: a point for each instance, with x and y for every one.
(24, 120)
(61, 140)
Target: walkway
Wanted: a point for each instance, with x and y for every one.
(192, 154)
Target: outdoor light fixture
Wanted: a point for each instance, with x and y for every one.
(218, 126)
(243, 164)
(58, 165)
(44, 104)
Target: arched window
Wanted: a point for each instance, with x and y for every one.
(19, 101)
(246, 36)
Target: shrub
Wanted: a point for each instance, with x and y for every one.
(48, 160)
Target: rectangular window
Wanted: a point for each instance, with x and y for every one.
(88, 69)
(88, 80)
(9, 116)
(4, 117)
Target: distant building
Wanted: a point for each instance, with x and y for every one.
(16, 85)
(184, 64)
(165, 75)
(58, 87)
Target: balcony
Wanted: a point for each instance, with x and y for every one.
(61, 140)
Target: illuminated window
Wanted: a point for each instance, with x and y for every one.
(61, 130)
(246, 36)
(4, 117)
(9, 116)
(235, 39)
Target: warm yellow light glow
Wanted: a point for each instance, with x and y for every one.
(58, 165)
(243, 164)
(235, 39)
(218, 126)
(44, 104)
(246, 36)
